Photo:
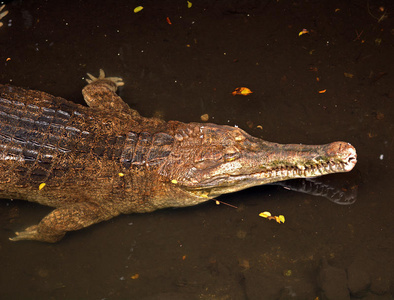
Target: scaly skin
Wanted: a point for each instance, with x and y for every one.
(106, 160)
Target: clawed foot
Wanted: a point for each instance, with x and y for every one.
(2, 14)
(28, 234)
(117, 80)
(31, 233)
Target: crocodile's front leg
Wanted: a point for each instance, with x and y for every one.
(2, 14)
(54, 226)
(101, 93)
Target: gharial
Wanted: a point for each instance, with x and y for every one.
(94, 163)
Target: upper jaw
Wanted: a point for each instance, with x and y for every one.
(285, 162)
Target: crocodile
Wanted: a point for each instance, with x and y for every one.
(92, 163)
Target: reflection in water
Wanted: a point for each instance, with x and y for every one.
(343, 195)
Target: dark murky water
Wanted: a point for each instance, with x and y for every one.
(183, 71)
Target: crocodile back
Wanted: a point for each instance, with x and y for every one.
(46, 139)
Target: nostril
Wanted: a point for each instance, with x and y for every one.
(352, 159)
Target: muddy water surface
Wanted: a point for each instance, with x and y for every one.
(189, 68)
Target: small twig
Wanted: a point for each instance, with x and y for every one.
(224, 203)
(381, 18)
(358, 35)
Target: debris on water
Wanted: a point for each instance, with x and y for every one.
(135, 276)
(244, 91)
(267, 215)
(322, 91)
(244, 263)
(204, 117)
(138, 9)
(303, 31)
(189, 4)
(348, 75)
(41, 186)
(381, 156)
(379, 115)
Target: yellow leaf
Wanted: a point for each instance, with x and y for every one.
(303, 31)
(244, 91)
(189, 4)
(138, 9)
(265, 214)
(174, 181)
(281, 218)
(41, 186)
(135, 276)
(120, 174)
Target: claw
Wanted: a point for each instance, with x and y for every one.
(28, 234)
(117, 80)
(2, 14)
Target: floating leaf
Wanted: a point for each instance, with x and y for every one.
(120, 174)
(322, 91)
(135, 276)
(348, 75)
(41, 186)
(204, 117)
(265, 214)
(244, 91)
(138, 9)
(168, 20)
(281, 218)
(303, 31)
(189, 4)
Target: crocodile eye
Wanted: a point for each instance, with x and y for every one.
(231, 156)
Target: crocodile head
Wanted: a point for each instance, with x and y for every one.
(214, 160)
